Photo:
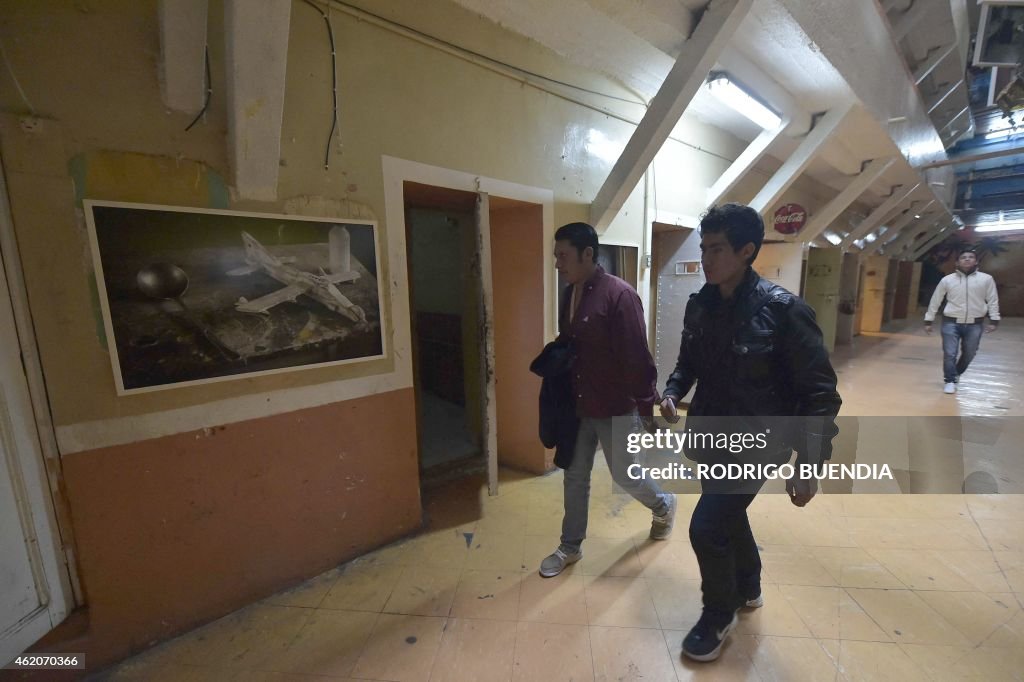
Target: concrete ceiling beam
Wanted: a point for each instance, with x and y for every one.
(875, 218)
(914, 234)
(895, 230)
(256, 42)
(945, 95)
(858, 184)
(697, 57)
(932, 61)
(906, 22)
(801, 158)
(928, 245)
(182, 68)
(754, 152)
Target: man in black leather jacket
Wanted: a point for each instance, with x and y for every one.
(755, 352)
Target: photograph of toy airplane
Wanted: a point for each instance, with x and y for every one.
(297, 282)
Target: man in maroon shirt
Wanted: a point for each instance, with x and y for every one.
(613, 377)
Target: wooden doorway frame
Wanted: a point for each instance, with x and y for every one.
(56, 569)
(399, 171)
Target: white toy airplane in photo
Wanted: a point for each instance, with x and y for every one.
(297, 282)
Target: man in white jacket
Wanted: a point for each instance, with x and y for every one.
(970, 295)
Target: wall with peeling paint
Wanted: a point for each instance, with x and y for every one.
(98, 130)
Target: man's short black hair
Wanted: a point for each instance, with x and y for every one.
(580, 235)
(741, 224)
(968, 250)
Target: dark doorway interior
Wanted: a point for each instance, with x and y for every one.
(444, 302)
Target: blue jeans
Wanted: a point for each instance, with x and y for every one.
(577, 477)
(962, 338)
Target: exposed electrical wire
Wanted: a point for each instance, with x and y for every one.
(334, 81)
(208, 95)
(10, 70)
(478, 55)
(507, 69)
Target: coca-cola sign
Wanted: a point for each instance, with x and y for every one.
(790, 219)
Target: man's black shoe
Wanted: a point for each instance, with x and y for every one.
(704, 641)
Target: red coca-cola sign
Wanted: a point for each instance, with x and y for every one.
(790, 219)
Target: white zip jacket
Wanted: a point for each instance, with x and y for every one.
(968, 297)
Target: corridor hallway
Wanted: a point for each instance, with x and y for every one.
(857, 587)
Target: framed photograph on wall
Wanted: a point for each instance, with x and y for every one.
(191, 296)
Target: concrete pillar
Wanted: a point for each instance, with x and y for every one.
(256, 42)
(183, 54)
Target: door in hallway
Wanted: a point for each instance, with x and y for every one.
(821, 290)
(444, 277)
(31, 591)
(676, 256)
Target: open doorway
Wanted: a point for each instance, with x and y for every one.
(444, 298)
(677, 273)
(477, 310)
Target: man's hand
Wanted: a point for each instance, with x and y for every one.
(927, 327)
(990, 328)
(801, 490)
(668, 411)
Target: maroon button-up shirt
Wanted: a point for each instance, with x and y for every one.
(613, 372)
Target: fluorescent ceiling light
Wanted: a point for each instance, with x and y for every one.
(835, 239)
(1008, 226)
(917, 216)
(871, 237)
(742, 102)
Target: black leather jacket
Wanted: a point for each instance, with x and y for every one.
(777, 366)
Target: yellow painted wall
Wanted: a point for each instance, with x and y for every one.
(396, 96)
(91, 125)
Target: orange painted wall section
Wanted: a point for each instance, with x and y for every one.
(518, 278)
(179, 530)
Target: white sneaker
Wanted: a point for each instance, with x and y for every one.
(950, 388)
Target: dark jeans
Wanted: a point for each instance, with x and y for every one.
(730, 567)
(964, 338)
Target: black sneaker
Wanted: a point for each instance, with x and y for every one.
(704, 641)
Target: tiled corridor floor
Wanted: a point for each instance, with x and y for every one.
(857, 587)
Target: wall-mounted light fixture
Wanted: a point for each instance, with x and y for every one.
(742, 101)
